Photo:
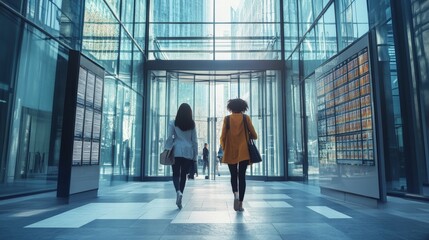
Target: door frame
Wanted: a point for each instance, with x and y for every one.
(211, 66)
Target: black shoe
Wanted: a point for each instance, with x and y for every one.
(179, 200)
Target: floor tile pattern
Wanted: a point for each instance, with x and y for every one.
(273, 210)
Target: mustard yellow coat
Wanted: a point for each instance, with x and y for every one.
(233, 140)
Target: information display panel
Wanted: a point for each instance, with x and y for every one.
(95, 152)
(80, 114)
(89, 113)
(98, 94)
(81, 87)
(78, 169)
(90, 85)
(345, 123)
(88, 118)
(96, 129)
(77, 152)
(86, 153)
(345, 129)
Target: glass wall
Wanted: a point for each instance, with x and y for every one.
(312, 145)
(420, 13)
(214, 30)
(59, 18)
(294, 153)
(393, 127)
(208, 93)
(341, 24)
(112, 39)
(318, 44)
(352, 21)
(291, 35)
(140, 25)
(35, 76)
(181, 29)
(309, 10)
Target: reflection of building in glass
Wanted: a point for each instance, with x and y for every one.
(255, 30)
(177, 27)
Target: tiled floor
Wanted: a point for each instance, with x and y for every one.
(273, 210)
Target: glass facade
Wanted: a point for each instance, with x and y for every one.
(31, 93)
(420, 13)
(294, 152)
(393, 131)
(352, 21)
(116, 42)
(214, 30)
(60, 18)
(141, 94)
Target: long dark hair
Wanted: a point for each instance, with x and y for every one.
(184, 119)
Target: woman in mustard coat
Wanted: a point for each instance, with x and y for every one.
(234, 144)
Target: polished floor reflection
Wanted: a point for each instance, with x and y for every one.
(273, 210)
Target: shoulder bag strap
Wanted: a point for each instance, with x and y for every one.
(246, 128)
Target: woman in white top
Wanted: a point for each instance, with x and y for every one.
(182, 138)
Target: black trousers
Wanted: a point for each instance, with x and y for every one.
(180, 169)
(193, 170)
(205, 165)
(238, 178)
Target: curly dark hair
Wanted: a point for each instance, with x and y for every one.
(184, 119)
(237, 105)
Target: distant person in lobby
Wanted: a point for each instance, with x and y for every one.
(219, 159)
(205, 158)
(182, 138)
(235, 151)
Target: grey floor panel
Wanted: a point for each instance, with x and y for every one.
(273, 210)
